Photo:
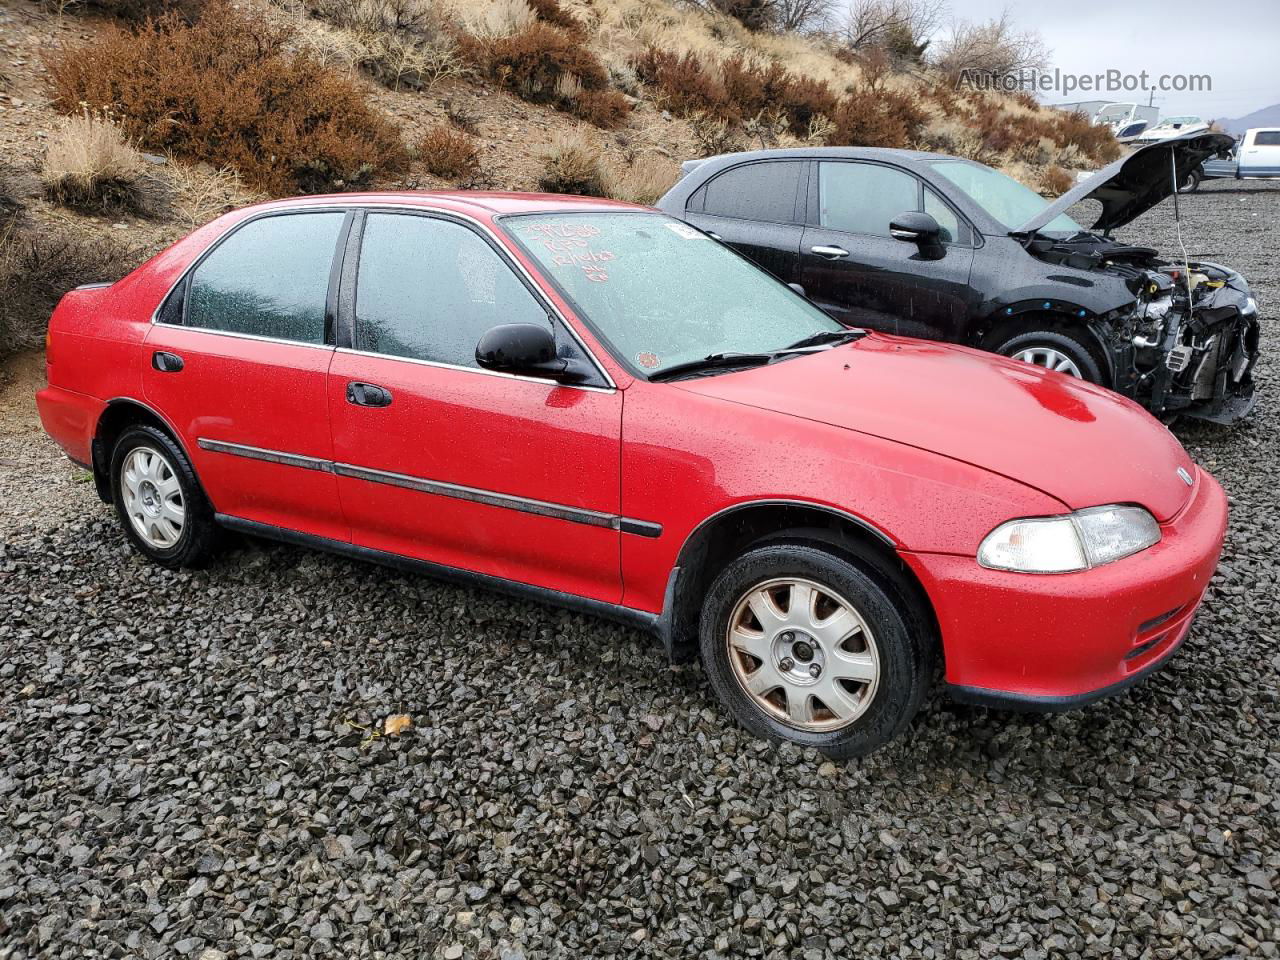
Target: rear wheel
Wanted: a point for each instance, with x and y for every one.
(1053, 350)
(161, 507)
(802, 645)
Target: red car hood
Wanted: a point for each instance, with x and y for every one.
(1079, 443)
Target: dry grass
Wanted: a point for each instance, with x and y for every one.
(400, 43)
(573, 164)
(493, 19)
(201, 193)
(90, 166)
(643, 180)
(1054, 181)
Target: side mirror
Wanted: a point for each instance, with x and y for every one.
(920, 229)
(529, 349)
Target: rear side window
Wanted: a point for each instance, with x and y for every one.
(864, 197)
(1267, 138)
(428, 289)
(270, 278)
(755, 191)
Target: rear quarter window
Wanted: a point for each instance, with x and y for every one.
(754, 191)
(1267, 138)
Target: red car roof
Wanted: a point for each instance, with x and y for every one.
(482, 203)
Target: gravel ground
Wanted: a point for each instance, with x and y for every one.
(188, 764)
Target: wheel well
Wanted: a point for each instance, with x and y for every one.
(118, 417)
(716, 543)
(1007, 327)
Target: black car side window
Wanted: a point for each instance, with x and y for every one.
(754, 191)
(270, 278)
(864, 197)
(948, 222)
(428, 289)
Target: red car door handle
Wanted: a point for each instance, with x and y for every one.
(368, 395)
(166, 362)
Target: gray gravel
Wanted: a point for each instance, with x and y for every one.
(187, 767)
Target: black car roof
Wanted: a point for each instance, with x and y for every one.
(820, 153)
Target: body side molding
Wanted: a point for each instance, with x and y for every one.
(491, 498)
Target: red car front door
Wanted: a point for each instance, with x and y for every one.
(437, 459)
(238, 362)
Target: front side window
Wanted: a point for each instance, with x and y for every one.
(1005, 200)
(864, 197)
(755, 191)
(661, 293)
(428, 289)
(270, 278)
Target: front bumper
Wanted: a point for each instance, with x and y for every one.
(1052, 642)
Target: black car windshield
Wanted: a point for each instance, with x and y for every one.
(1005, 199)
(661, 293)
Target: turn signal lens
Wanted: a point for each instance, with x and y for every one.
(1084, 539)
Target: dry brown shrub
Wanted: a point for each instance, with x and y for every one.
(401, 43)
(448, 153)
(604, 108)
(1054, 181)
(228, 91)
(684, 86)
(885, 118)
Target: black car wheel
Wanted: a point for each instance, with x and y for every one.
(162, 509)
(805, 646)
(1191, 183)
(1053, 350)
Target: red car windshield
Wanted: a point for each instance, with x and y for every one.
(661, 293)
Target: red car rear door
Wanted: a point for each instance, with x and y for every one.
(237, 362)
(509, 476)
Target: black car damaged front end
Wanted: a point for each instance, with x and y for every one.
(1187, 345)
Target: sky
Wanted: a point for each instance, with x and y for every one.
(1235, 42)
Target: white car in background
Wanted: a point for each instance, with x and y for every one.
(1171, 127)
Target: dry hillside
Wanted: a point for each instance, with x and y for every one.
(119, 133)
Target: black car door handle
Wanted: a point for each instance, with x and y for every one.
(166, 362)
(831, 253)
(368, 395)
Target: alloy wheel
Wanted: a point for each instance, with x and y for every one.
(803, 654)
(1050, 359)
(152, 497)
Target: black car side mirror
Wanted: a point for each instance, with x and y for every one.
(920, 229)
(529, 349)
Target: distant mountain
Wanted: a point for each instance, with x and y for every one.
(1266, 117)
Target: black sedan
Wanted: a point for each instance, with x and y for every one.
(933, 246)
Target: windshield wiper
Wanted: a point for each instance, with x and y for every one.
(831, 337)
(713, 361)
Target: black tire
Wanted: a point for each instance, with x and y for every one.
(1191, 182)
(1068, 344)
(905, 655)
(199, 535)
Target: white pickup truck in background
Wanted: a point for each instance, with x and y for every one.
(1256, 156)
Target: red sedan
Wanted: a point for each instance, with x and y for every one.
(594, 404)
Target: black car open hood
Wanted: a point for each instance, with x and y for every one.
(1134, 184)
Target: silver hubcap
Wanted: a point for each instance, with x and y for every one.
(1050, 359)
(152, 497)
(803, 654)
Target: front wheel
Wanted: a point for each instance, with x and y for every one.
(1191, 182)
(1053, 350)
(161, 507)
(804, 646)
